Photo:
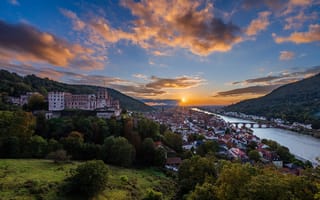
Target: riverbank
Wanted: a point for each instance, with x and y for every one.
(297, 129)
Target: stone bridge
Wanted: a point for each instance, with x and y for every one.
(250, 124)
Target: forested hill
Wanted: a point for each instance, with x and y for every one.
(15, 85)
(299, 101)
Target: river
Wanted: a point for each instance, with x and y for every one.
(302, 146)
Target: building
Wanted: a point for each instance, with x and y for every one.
(80, 101)
(56, 100)
(101, 102)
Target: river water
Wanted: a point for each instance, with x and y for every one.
(302, 146)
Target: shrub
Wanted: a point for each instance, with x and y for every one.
(89, 178)
(153, 195)
(59, 156)
(124, 178)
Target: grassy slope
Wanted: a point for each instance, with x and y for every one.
(16, 176)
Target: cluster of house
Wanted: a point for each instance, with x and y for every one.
(101, 102)
(233, 142)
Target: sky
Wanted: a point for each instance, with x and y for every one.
(195, 52)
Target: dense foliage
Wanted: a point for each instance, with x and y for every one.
(207, 178)
(295, 102)
(89, 178)
(81, 137)
(14, 85)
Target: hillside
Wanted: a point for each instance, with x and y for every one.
(15, 85)
(41, 179)
(299, 101)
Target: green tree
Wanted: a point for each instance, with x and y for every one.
(16, 123)
(254, 155)
(118, 151)
(148, 150)
(202, 192)
(194, 171)
(38, 146)
(173, 140)
(231, 179)
(89, 178)
(159, 157)
(36, 102)
(9, 147)
(207, 147)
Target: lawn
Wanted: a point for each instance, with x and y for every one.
(40, 179)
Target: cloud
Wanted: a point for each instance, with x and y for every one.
(78, 24)
(257, 80)
(24, 43)
(166, 24)
(174, 83)
(312, 35)
(282, 78)
(273, 4)
(296, 21)
(140, 76)
(258, 90)
(264, 85)
(259, 24)
(14, 2)
(281, 7)
(286, 55)
(161, 102)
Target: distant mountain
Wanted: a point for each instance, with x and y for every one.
(299, 101)
(15, 85)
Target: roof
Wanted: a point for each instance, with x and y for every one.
(173, 160)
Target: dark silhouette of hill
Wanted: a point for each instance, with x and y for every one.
(298, 101)
(15, 85)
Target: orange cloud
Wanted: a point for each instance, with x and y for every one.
(312, 35)
(259, 24)
(24, 43)
(174, 83)
(286, 55)
(295, 22)
(160, 24)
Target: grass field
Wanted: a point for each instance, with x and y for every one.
(40, 179)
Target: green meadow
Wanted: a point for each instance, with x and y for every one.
(42, 179)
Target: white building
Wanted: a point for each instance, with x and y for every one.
(57, 100)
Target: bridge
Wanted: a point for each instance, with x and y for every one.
(250, 124)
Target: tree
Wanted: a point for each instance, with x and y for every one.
(159, 157)
(9, 147)
(38, 146)
(254, 155)
(89, 178)
(194, 171)
(118, 151)
(173, 140)
(36, 102)
(207, 147)
(41, 125)
(231, 179)
(148, 151)
(59, 156)
(202, 192)
(17, 123)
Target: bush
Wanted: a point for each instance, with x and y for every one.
(124, 178)
(89, 178)
(153, 195)
(59, 156)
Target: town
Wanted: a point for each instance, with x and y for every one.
(233, 143)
